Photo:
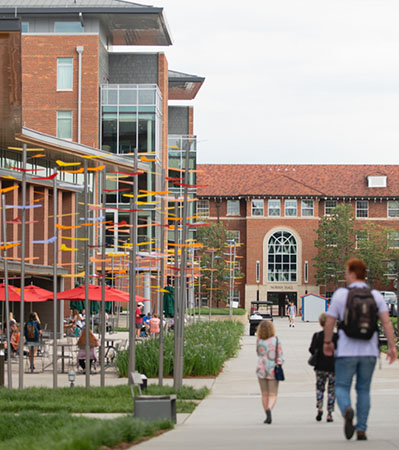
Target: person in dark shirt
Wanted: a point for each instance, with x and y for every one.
(325, 373)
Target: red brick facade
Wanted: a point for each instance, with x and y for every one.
(40, 97)
(255, 231)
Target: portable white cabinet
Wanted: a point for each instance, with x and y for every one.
(312, 306)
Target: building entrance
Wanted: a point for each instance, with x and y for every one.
(280, 301)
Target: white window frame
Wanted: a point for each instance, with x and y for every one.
(232, 209)
(273, 201)
(257, 210)
(257, 272)
(58, 119)
(60, 65)
(326, 208)
(362, 209)
(395, 239)
(203, 208)
(305, 208)
(393, 212)
(289, 208)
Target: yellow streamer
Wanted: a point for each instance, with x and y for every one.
(71, 275)
(67, 249)
(74, 239)
(65, 164)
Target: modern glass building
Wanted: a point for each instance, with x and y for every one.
(131, 117)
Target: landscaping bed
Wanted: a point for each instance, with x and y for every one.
(221, 311)
(110, 399)
(33, 431)
(207, 345)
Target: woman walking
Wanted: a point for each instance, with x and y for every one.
(269, 351)
(324, 369)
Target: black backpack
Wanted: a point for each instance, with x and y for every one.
(360, 319)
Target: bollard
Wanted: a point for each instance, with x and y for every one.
(2, 357)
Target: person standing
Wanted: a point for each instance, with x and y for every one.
(357, 310)
(139, 319)
(325, 372)
(291, 314)
(270, 353)
(154, 325)
(32, 334)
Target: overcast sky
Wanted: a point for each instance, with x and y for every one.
(291, 81)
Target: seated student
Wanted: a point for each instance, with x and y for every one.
(93, 343)
(146, 322)
(14, 339)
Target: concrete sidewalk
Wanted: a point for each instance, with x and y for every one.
(232, 416)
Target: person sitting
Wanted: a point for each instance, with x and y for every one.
(146, 322)
(93, 343)
(14, 339)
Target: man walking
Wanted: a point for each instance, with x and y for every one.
(291, 314)
(357, 310)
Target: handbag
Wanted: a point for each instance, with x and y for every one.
(312, 361)
(278, 369)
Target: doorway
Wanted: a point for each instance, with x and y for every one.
(280, 301)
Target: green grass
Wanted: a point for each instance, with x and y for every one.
(221, 311)
(32, 431)
(121, 329)
(111, 399)
(207, 345)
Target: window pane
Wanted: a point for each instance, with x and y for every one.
(274, 207)
(393, 239)
(330, 205)
(307, 207)
(109, 132)
(64, 124)
(393, 208)
(64, 73)
(233, 207)
(68, 27)
(233, 235)
(282, 257)
(257, 207)
(362, 208)
(128, 97)
(203, 208)
(290, 208)
(147, 97)
(25, 27)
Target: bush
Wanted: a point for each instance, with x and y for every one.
(220, 311)
(207, 345)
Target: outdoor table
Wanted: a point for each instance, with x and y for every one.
(109, 342)
(63, 356)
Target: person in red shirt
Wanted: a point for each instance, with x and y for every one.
(139, 319)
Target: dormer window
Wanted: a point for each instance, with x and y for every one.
(377, 181)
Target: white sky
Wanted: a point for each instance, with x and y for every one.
(291, 81)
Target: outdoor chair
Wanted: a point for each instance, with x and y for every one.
(151, 407)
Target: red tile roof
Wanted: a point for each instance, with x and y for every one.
(295, 180)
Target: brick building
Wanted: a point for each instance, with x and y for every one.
(273, 211)
(81, 88)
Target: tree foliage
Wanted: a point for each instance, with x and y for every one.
(215, 236)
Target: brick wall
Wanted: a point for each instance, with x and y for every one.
(39, 84)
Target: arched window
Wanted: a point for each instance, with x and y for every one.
(282, 257)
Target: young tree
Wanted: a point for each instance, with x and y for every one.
(335, 242)
(215, 237)
(373, 248)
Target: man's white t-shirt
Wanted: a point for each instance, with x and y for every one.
(349, 346)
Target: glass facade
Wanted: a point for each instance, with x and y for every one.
(131, 117)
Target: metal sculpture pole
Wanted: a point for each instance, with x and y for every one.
(55, 286)
(161, 305)
(23, 242)
(183, 266)
(231, 281)
(86, 264)
(102, 320)
(211, 293)
(7, 302)
(199, 288)
(132, 271)
(176, 360)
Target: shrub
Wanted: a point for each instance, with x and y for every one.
(207, 345)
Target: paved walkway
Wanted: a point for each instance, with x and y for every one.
(232, 416)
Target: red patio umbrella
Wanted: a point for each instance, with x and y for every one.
(30, 295)
(95, 294)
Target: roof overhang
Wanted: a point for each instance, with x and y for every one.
(183, 86)
(128, 25)
(38, 139)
